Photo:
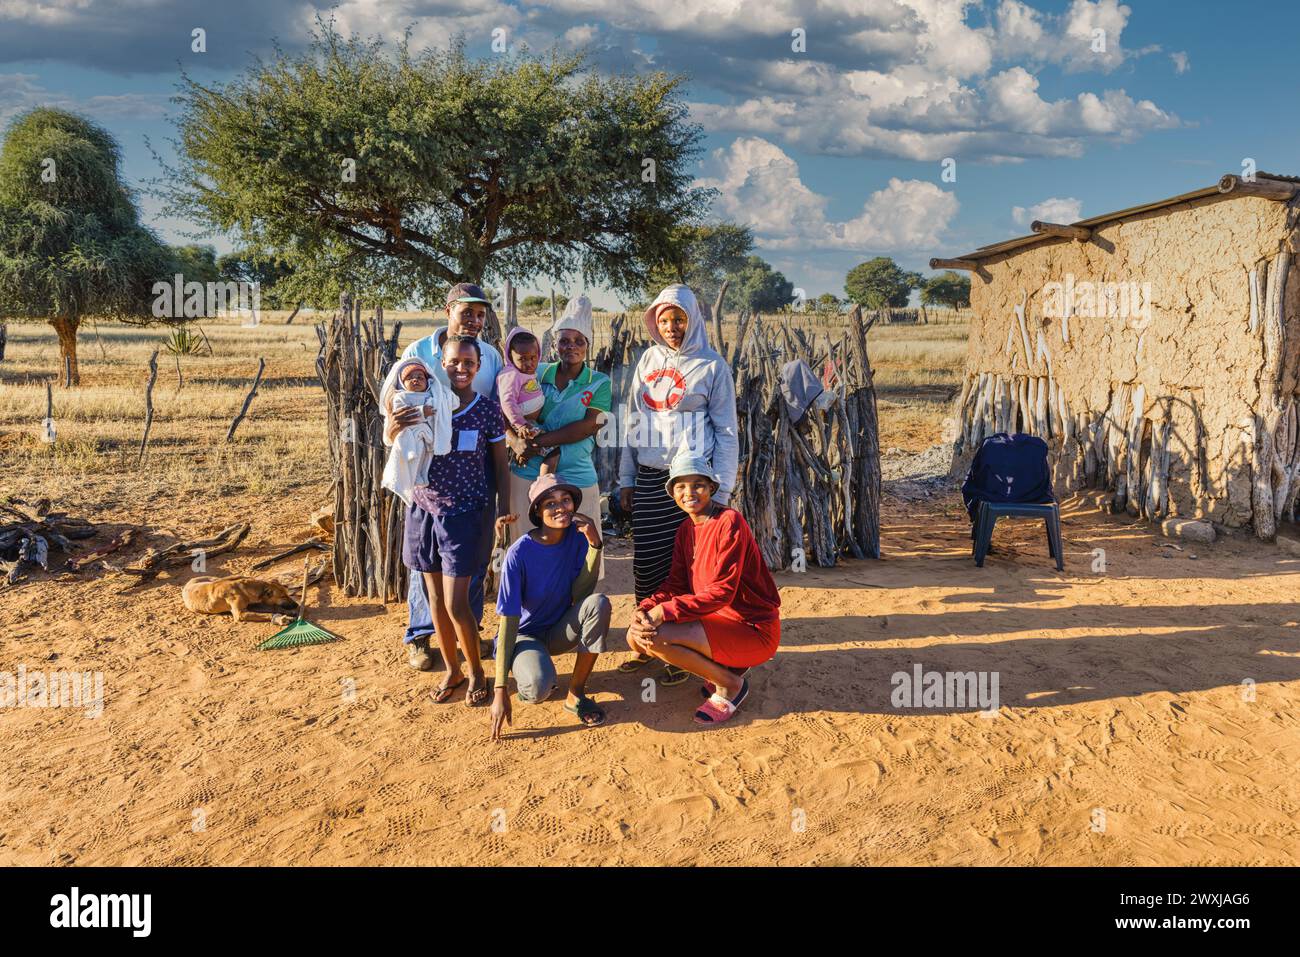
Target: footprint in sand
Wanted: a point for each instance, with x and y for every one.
(674, 815)
(839, 780)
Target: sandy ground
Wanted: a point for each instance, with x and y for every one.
(1120, 691)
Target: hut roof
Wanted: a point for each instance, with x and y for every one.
(1229, 186)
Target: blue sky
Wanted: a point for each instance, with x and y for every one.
(833, 154)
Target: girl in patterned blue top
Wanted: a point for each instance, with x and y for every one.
(444, 530)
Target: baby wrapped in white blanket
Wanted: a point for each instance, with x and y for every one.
(410, 385)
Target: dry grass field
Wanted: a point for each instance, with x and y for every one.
(278, 448)
(1122, 691)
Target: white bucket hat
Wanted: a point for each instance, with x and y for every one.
(577, 317)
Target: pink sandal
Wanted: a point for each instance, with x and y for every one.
(719, 709)
(708, 689)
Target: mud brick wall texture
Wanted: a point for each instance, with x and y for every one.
(1158, 358)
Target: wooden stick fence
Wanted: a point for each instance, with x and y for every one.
(355, 356)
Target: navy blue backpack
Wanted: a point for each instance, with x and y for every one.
(1008, 468)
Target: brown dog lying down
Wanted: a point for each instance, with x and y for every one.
(247, 599)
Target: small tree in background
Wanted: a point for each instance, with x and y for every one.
(243, 265)
(757, 287)
(949, 289)
(197, 263)
(421, 169)
(71, 244)
(543, 303)
(702, 257)
(828, 303)
(880, 283)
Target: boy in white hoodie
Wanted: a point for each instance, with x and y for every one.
(683, 397)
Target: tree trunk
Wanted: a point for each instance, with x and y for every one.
(67, 331)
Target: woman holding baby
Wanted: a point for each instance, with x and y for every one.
(444, 439)
(575, 400)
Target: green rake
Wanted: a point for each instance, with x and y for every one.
(301, 632)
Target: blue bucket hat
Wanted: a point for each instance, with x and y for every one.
(688, 463)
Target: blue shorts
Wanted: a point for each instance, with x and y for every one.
(449, 544)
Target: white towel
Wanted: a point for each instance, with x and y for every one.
(408, 459)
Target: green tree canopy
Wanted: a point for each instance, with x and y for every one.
(880, 282)
(197, 263)
(702, 256)
(828, 303)
(757, 287)
(71, 243)
(949, 289)
(428, 168)
(542, 303)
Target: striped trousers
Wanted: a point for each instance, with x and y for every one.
(655, 520)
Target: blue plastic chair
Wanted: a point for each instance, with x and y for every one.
(988, 513)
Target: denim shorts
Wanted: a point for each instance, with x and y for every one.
(448, 544)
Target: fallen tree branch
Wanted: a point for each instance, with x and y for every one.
(312, 543)
(248, 400)
(155, 560)
(148, 405)
(121, 541)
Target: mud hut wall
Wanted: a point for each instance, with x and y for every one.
(1192, 362)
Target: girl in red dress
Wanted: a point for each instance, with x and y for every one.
(718, 612)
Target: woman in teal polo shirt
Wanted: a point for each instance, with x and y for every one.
(577, 398)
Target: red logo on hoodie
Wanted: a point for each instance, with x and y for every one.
(660, 398)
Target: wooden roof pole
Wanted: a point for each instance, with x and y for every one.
(968, 264)
(1275, 189)
(1057, 229)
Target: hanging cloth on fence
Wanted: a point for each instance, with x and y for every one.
(800, 387)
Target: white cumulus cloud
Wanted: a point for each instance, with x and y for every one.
(759, 186)
(1057, 209)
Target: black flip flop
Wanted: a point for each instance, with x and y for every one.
(586, 708)
(672, 676)
(633, 664)
(443, 694)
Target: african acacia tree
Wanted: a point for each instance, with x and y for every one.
(702, 257)
(880, 283)
(433, 168)
(71, 244)
(946, 289)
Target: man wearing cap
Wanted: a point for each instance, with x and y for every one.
(548, 605)
(467, 310)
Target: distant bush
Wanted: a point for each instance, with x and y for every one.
(542, 303)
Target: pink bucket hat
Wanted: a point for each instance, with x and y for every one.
(544, 484)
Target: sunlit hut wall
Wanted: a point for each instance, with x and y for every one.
(1155, 349)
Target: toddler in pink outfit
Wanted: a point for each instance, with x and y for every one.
(518, 390)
